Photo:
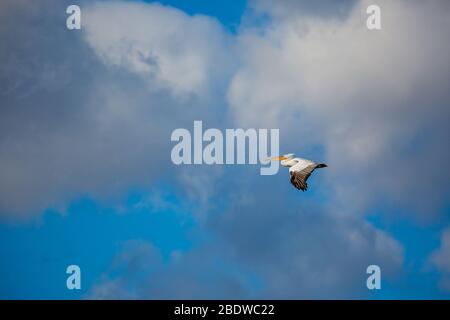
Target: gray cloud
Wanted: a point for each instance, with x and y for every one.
(301, 249)
(287, 8)
(68, 122)
(74, 121)
(139, 271)
(261, 248)
(377, 101)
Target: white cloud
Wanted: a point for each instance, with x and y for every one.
(178, 51)
(365, 95)
(91, 112)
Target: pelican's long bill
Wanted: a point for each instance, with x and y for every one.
(280, 158)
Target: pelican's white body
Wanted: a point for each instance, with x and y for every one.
(299, 169)
(296, 164)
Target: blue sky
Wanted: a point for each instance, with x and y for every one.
(85, 151)
(228, 13)
(36, 255)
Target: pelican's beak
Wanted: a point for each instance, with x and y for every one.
(277, 158)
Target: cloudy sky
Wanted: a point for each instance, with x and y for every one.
(86, 176)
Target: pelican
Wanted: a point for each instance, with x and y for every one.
(300, 169)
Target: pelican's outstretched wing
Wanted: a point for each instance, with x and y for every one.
(301, 171)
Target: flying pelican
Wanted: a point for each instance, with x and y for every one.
(300, 169)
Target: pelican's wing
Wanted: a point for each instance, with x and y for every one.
(300, 172)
